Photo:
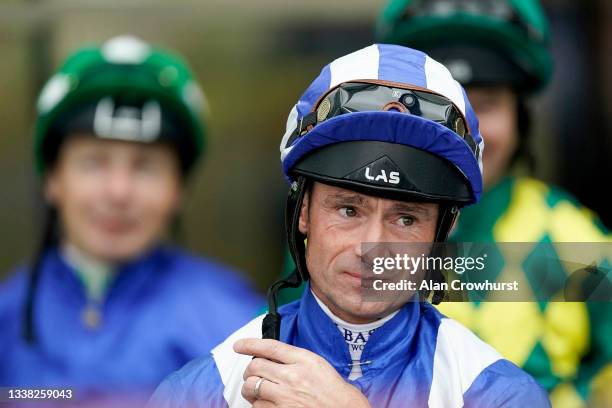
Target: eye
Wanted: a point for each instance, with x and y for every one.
(90, 161)
(147, 165)
(406, 220)
(348, 212)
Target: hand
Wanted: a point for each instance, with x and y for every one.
(293, 378)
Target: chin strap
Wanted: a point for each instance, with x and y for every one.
(270, 328)
(48, 238)
(448, 214)
(295, 239)
(271, 323)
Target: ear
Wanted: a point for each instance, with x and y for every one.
(304, 213)
(51, 187)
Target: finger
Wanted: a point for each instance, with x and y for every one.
(261, 367)
(263, 404)
(268, 390)
(270, 349)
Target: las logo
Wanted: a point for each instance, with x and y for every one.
(392, 179)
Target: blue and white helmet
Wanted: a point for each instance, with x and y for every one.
(411, 127)
(387, 121)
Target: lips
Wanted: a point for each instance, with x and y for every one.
(114, 225)
(355, 275)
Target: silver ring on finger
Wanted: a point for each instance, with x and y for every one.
(257, 389)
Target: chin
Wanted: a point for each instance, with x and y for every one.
(374, 310)
(117, 251)
(366, 310)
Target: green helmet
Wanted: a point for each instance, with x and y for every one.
(127, 90)
(480, 41)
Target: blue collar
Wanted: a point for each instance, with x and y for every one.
(392, 343)
(131, 277)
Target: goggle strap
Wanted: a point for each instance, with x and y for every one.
(469, 139)
(306, 123)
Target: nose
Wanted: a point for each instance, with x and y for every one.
(119, 184)
(368, 243)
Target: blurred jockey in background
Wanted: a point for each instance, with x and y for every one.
(107, 307)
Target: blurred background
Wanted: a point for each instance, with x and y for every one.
(253, 59)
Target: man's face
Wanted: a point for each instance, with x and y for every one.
(114, 198)
(336, 222)
(495, 108)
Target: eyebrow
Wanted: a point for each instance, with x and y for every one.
(410, 207)
(345, 198)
